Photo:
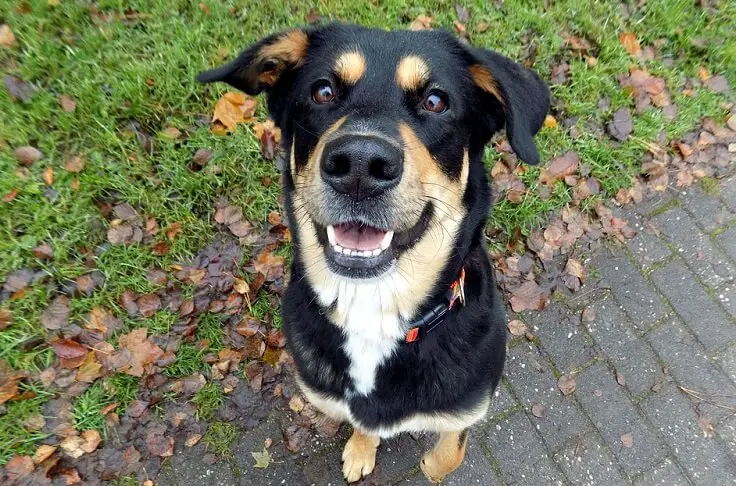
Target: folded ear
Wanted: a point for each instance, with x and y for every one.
(523, 96)
(260, 67)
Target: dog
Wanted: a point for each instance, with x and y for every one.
(392, 314)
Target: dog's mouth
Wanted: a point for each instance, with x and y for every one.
(356, 249)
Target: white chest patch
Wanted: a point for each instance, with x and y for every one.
(370, 316)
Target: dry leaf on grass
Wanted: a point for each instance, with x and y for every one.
(27, 155)
(141, 351)
(67, 103)
(233, 108)
(76, 446)
(630, 43)
(7, 38)
(422, 22)
(74, 164)
(560, 167)
(516, 328)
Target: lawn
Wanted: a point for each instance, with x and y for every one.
(138, 117)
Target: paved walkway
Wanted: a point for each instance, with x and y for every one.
(654, 363)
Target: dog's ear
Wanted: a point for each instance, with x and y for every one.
(522, 95)
(260, 67)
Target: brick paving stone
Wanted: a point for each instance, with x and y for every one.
(689, 364)
(187, 469)
(727, 360)
(562, 336)
(615, 415)
(706, 461)
(587, 462)
(398, 455)
(631, 289)
(728, 192)
(667, 474)
(727, 241)
(726, 296)
(629, 353)
(520, 453)
(691, 302)
(647, 248)
(654, 202)
(326, 469)
(708, 262)
(727, 432)
(475, 469)
(500, 402)
(535, 384)
(710, 212)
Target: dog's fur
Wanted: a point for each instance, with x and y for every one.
(345, 324)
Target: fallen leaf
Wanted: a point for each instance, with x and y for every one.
(516, 327)
(8, 382)
(717, 84)
(575, 268)
(550, 122)
(703, 73)
(270, 137)
(296, 437)
(27, 155)
(559, 167)
(621, 126)
(620, 378)
(67, 103)
(538, 410)
(248, 327)
(269, 265)
(160, 445)
(10, 195)
(74, 164)
(142, 351)
(192, 440)
(48, 175)
(43, 452)
(68, 348)
(706, 426)
(202, 156)
(630, 43)
(276, 338)
(149, 304)
(171, 133)
(577, 44)
(482, 27)
(76, 446)
(566, 384)
(7, 38)
(422, 22)
(91, 440)
(19, 89)
(528, 296)
(240, 229)
(18, 467)
(234, 108)
(588, 315)
(296, 404)
(6, 318)
(262, 459)
(228, 215)
(627, 440)
(90, 369)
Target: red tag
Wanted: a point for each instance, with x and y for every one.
(412, 335)
(458, 289)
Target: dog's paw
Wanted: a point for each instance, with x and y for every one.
(431, 469)
(359, 457)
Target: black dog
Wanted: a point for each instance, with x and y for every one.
(392, 314)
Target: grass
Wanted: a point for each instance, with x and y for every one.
(219, 438)
(208, 400)
(140, 69)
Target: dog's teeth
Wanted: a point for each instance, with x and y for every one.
(376, 252)
(348, 252)
(331, 235)
(386, 242)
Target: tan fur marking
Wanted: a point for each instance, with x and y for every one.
(483, 78)
(288, 50)
(445, 457)
(359, 456)
(350, 66)
(412, 73)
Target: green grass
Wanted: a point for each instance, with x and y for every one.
(142, 69)
(208, 400)
(219, 438)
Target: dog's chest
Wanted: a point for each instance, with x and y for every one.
(369, 317)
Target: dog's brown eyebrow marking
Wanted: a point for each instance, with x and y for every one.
(350, 66)
(412, 73)
(290, 47)
(483, 78)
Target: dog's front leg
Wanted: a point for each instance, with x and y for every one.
(446, 456)
(359, 455)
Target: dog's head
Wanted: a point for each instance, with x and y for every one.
(385, 133)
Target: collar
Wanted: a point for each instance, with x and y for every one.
(436, 315)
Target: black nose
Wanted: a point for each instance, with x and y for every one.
(361, 166)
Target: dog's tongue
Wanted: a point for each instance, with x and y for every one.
(358, 237)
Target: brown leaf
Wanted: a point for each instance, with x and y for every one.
(10, 195)
(254, 347)
(585, 188)
(717, 84)
(171, 133)
(6, 318)
(706, 426)
(142, 351)
(228, 215)
(18, 89)
(149, 304)
(48, 175)
(43, 452)
(248, 327)
(422, 22)
(516, 327)
(528, 297)
(559, 167)
(577, 44)
(8, 382)
(276, 339)
(296, 437)
(240, 229)
(67, 103)
(296, 404)
(627, 440)
(550, 122)
(75, 164)
(270, 137)
(192, 440)
(621, 126)
(27, 155)
(7, 38)
(234, 108)
(90, 369)
(566, 384)
(620, 378)
(68, 349)
(575, 268)
(76, 446)
(269, 265)
(630, 43)
(18, 467)
(173, 230)
(588, 315)
(91, 440)
(538, 410)
(160, 445)
(43, 251)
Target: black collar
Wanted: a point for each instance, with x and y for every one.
(436, 315)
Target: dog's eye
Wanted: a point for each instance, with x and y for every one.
(435, 102)
(323, 93)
